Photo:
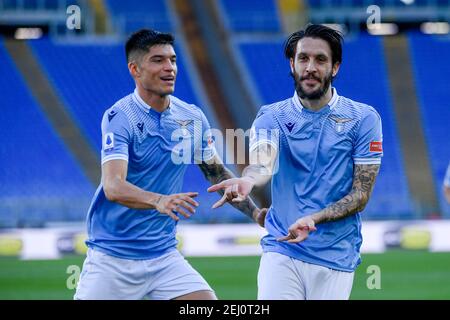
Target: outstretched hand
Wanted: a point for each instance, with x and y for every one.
(235, 190)
(299, 230)
(178, 202)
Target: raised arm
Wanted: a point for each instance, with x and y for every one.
(355, 201)
(117, 189)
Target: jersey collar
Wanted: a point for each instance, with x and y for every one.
(140, 102)
(146, 107)
(332, 103)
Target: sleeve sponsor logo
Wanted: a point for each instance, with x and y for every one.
(376, 146)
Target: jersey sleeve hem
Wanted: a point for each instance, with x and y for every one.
(115, 157)
(367, 160)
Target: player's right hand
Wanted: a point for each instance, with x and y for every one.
(178, 202)
(299, 230)
(235, 190)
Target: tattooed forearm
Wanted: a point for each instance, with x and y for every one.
(363, 181)
(216, 173)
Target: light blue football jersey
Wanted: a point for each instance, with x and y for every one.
(158, 147)
(316, 155)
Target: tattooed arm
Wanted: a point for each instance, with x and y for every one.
(363, 181)
(216, 172)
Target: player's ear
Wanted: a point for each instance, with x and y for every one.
(335, 70)
(291, 64)
(133, 69)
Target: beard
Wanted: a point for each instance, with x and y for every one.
(316, 94)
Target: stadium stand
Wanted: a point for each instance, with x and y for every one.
(103, 67)
(41, 181)
(131, 15)
(362, 78)
(33, 5)
(433, 92)
(250, 15)
(380, 3)
(47, 14)
(357, 11)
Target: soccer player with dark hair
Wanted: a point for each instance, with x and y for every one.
(149, 137)
(323, 163)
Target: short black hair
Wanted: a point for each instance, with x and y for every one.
(333, 37)
(142, 40)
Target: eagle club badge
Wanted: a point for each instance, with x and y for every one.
(183, 124)
(339, 123)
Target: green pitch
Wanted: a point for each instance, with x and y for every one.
(404, 275)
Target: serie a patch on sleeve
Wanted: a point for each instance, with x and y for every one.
(376, 146)
(108, 141)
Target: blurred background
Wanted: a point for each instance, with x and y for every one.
(62, 64)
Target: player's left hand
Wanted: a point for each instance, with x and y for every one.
(299, 230)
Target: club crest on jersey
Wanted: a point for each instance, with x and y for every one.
(183, 124)
(108, 141)
(339, 123)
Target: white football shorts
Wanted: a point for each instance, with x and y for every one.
(105, 277)
(283, 278)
